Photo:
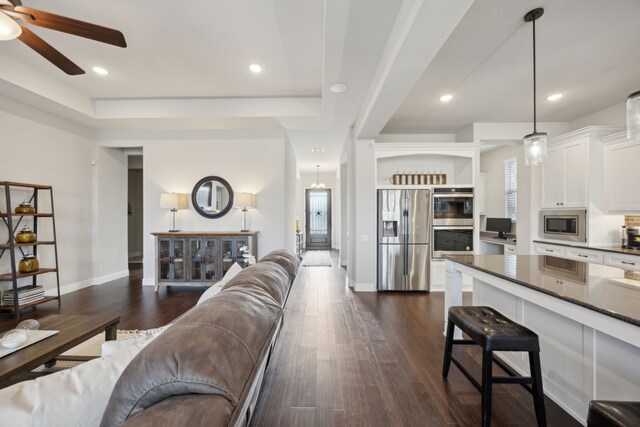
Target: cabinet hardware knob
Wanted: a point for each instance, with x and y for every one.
(628, 263)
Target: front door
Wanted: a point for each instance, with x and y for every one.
(318, 218)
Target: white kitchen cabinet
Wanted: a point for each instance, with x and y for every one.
(547, 249)
(628, 262)
(564, 175)
(509, 249)
(621, 178)
(582, 254)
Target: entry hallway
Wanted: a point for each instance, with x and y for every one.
(368, 359)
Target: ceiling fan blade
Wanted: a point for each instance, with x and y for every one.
(10, 10)
(73, 26)
(15, 2)
(29, 38)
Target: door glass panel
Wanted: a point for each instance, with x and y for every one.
(165, 259)
(318, 217)
(195, 248)
(227, 254)
(178, 259)
(210, 259)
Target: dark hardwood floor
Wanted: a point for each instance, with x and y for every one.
(342, 358)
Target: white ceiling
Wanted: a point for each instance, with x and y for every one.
(185, 69)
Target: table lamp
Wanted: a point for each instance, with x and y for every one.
(173, 201)
(244, 201)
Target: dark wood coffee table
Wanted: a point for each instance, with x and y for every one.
(74, 329)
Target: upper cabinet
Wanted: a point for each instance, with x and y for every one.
(572, 173)
(621, 179)
(564, 175)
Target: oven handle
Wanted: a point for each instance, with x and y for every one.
(456, 195)
(453, 227)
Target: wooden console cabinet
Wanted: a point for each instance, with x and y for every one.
(199, 257)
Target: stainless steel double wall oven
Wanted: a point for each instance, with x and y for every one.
(452, 219)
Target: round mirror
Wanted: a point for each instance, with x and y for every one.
(212, 197)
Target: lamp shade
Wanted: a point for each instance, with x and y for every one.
(633, 116)
(535, 148)
(9, 29)
(173, 201)
(244, 200)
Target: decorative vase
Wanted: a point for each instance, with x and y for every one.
(26, 235)
(25, 208)
(28, 264)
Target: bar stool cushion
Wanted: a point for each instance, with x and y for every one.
(608, 413)
(492, 330)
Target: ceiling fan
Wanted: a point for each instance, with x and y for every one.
(10, 13)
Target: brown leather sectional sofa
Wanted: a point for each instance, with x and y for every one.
(207, 368)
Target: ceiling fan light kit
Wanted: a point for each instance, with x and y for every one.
(9, 29)
(535, 144)
(12, 15)
(633, 115)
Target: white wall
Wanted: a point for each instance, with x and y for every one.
(249, 165)
(291, 185)
(616, 115)
(39, 153)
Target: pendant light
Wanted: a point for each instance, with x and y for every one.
(535, 144)
(633, 116)
(317, 184)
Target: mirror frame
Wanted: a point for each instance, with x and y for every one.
(197, 207)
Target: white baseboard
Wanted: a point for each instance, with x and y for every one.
(136, 253)
(71, 287)
(149, 281)
(364, 287)
(109, 277)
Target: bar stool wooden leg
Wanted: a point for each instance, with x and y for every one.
(448, 348)
(536, 386)
(487, 377)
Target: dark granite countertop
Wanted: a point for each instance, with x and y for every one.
(608, 290)
(616, 249)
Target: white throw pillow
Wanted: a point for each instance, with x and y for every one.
(129, 340)
(217, 287)
(73, 397)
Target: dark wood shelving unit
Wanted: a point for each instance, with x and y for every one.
(11, 246)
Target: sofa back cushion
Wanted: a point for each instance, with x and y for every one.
(287, 259)
(268, 276)
(211, 349)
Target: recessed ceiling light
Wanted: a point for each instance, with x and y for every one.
(446, 98)
(99, 70)
(317, 150)
(338, 88)
(256, 68)
(554, 97)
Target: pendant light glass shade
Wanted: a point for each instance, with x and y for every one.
(9, 29)
(633, 116)
(317, 184)
(535, 148)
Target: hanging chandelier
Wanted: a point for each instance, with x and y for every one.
(535, 144)
(317, 184)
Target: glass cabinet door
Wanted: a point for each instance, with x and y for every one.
(171, 259)
(178, 259)
(164, 258)
(242, 247)
(228, 254)
(196, 265)
(210, 268)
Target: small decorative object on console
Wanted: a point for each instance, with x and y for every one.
(29, 263)
(25, 208)
(26, 235)
(14, 338)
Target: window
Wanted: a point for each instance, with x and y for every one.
(511, 188)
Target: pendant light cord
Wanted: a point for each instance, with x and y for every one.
(534, 75)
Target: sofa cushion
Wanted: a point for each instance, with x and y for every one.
(217, 287)
(287, 259)
(211, 349)
(198, 409)
(269, 276)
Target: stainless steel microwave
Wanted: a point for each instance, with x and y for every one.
(564, 225)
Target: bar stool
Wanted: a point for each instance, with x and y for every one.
(494, 332)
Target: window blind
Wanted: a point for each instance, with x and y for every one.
(511, 188)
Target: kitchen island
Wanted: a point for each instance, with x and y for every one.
(586, 315)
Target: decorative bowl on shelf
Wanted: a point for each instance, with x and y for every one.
(28, 264)
(25, 208)
(26, 235)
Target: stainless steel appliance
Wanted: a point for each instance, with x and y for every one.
(453, 206)
(564, 225)
(403, 240)
(451, 240)
(633, 238)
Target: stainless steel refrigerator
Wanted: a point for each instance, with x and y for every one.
(403, 240)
